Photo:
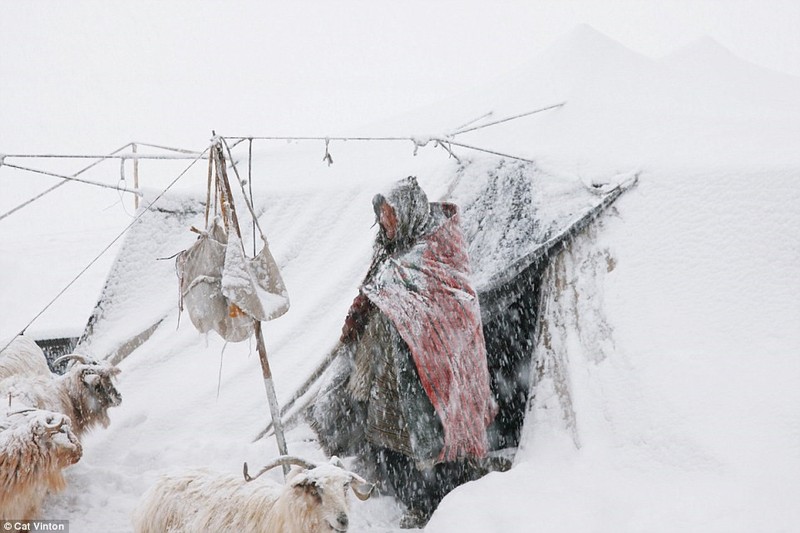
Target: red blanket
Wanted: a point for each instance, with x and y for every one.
(427, 294)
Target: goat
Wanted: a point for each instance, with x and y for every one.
(313, 500)
(35, 446)
(84, 393)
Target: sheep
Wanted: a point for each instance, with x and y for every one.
(84, 393)
(35, 446)
(313, 500)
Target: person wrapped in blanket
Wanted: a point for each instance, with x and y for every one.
(411, 396)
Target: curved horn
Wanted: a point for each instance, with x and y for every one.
(279, 461)
(363, 496)
(56, 426)
(78, 357)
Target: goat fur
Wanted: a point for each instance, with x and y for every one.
(33, 454)
(311, 501)
(84, 393)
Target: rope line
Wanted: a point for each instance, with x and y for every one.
(478, 149)
(244, 193)
(459, 132)
(250, 185)
(104, 250)
(188, 155)
(99, 159)
(73, 178)
(474, 120)
(168, 148)
(447, 148)
(290, 138)
(31, 200)
(57, 185)
(443, 141)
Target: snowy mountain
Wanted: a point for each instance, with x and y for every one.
(676, 340)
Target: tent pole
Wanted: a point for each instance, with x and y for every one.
(135, 175)
(271, 396)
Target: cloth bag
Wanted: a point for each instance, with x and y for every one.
(226, 291)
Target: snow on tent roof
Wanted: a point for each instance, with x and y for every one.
(141, 287)
(509, 209)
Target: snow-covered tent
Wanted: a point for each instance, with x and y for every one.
(141, 286)
(515, 217)
(668, 369)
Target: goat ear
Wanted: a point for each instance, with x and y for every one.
(297, 477)
(296, 473)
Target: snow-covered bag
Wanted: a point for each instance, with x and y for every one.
(225, 291)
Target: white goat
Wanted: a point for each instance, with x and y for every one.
(35, 446)
(84, 393)
(313, 500)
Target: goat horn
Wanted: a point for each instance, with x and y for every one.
(57, 425)
(78, 357)
(363, 496)
(279, 461)
(358, 478)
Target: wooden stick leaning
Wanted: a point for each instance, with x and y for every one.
(229, 211)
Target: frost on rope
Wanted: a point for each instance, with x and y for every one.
(572, 324)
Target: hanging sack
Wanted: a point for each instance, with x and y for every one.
(220, 287)
(225, 291)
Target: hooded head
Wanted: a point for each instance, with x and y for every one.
(405, 208)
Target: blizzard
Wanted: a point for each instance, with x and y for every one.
(670, 399)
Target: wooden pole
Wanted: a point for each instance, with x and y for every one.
(135, 176)
(272, 398)
(304, 388)
(226, 197)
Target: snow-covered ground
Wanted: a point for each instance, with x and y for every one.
(678, 337)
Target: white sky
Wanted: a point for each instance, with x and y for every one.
(91, 76)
